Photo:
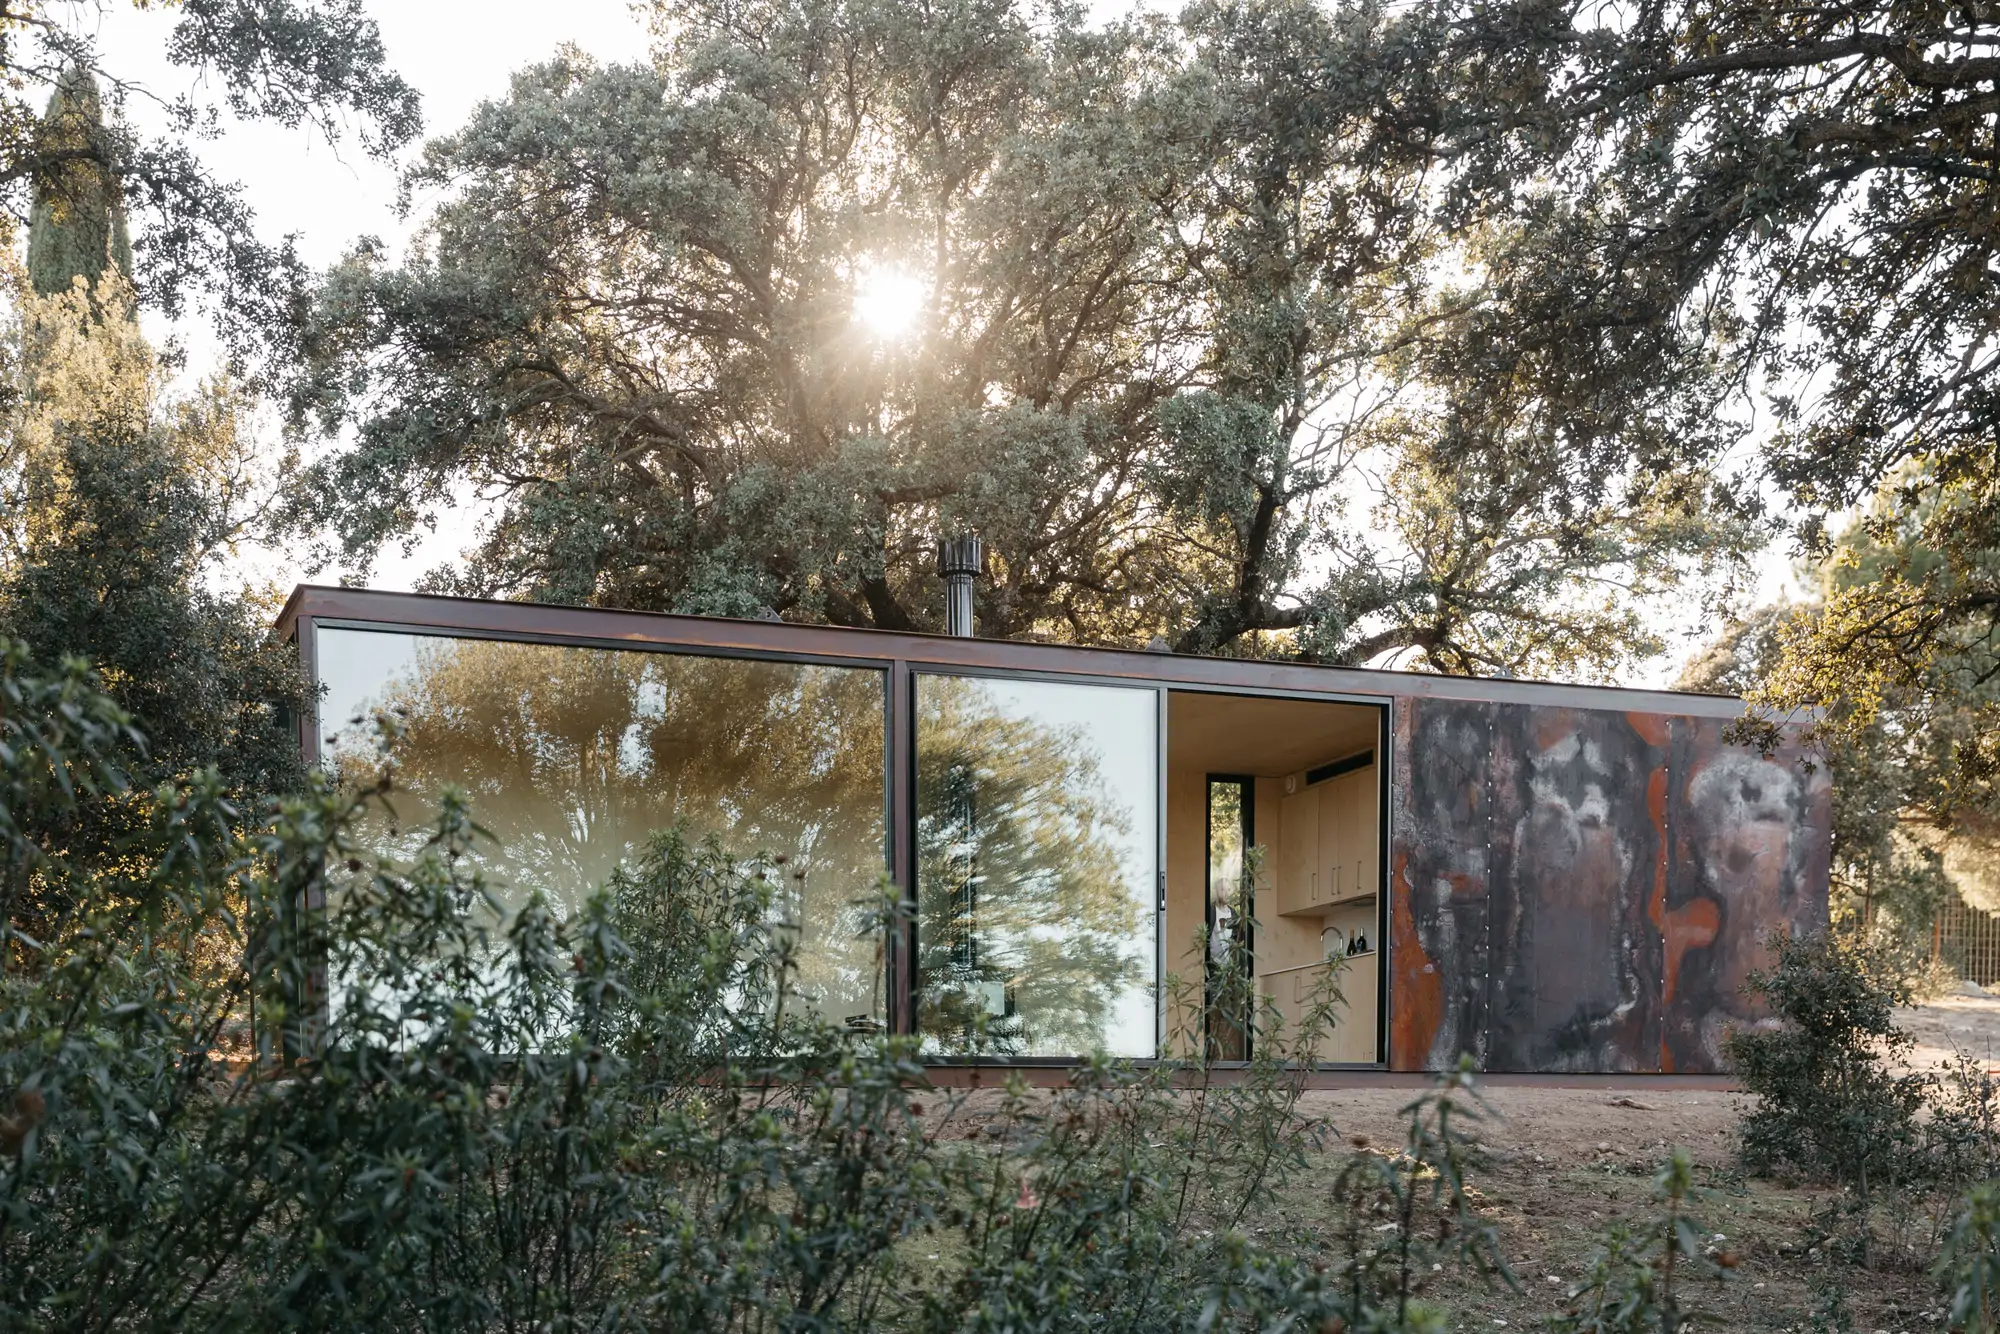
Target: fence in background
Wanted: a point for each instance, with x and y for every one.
(1968, 940)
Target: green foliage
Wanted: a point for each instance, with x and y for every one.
(1633, 1286)
(1830, 1313)
(614, 1118)
(76, 226)
(1828, 1103)
(121, 501)
(62, 741)
(118, 501)
(1178, 327)
(123, 585)
(1902, 1147)
(1969, 1265)
(1824, 132)
(73, 172)
(1913, 696)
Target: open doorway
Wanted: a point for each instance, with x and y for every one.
(1292, 788)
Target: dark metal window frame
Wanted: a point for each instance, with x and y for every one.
(902, 655)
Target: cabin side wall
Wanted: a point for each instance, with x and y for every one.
(1581, 890)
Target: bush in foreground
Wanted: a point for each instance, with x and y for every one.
(622, 1119)
(1913, 1152)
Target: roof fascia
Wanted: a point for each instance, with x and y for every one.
(484, 618)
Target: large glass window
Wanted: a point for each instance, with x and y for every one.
(574, 757)
(1037, 867)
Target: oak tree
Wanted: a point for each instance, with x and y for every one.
(1151, 305)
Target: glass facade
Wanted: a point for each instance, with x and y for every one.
(573, 757)
(1037, 829)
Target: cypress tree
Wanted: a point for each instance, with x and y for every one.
(77, 225)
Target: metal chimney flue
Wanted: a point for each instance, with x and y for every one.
(960, 561)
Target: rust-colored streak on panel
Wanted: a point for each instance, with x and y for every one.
(1653, 728)
(1418, 991)
(1656, 811)
(1576, 858)
(1748, 837)
(1690, 927)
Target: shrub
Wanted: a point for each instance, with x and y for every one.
(219, 1111)
(1969, 1265)
(1831, 1106)
(1828, 1104)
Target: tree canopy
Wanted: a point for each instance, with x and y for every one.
(1176, 344)
(1468, 337)
(120, 497)
(1807, 192)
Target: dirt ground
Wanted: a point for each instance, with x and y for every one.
(1566, 1164)
(1951, 1025)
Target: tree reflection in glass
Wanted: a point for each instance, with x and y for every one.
(1037, 810)
(573, 757)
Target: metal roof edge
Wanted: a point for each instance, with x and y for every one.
(496, 618)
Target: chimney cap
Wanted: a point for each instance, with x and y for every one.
(964, 555)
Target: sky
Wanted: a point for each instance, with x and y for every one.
(456, 53)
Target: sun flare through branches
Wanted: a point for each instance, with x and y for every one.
(888, 299)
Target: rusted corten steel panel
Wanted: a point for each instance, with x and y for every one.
(1577, 858)
(1750, 839)
(1440, 865)
(1585, 890)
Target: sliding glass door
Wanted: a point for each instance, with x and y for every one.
(1037, 841)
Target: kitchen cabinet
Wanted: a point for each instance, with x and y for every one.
(1355, 860)
(1298, 851)
(1328, 836)
(1353, 1036)
(1336, 834)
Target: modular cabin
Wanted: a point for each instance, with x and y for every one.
(1556, 879)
